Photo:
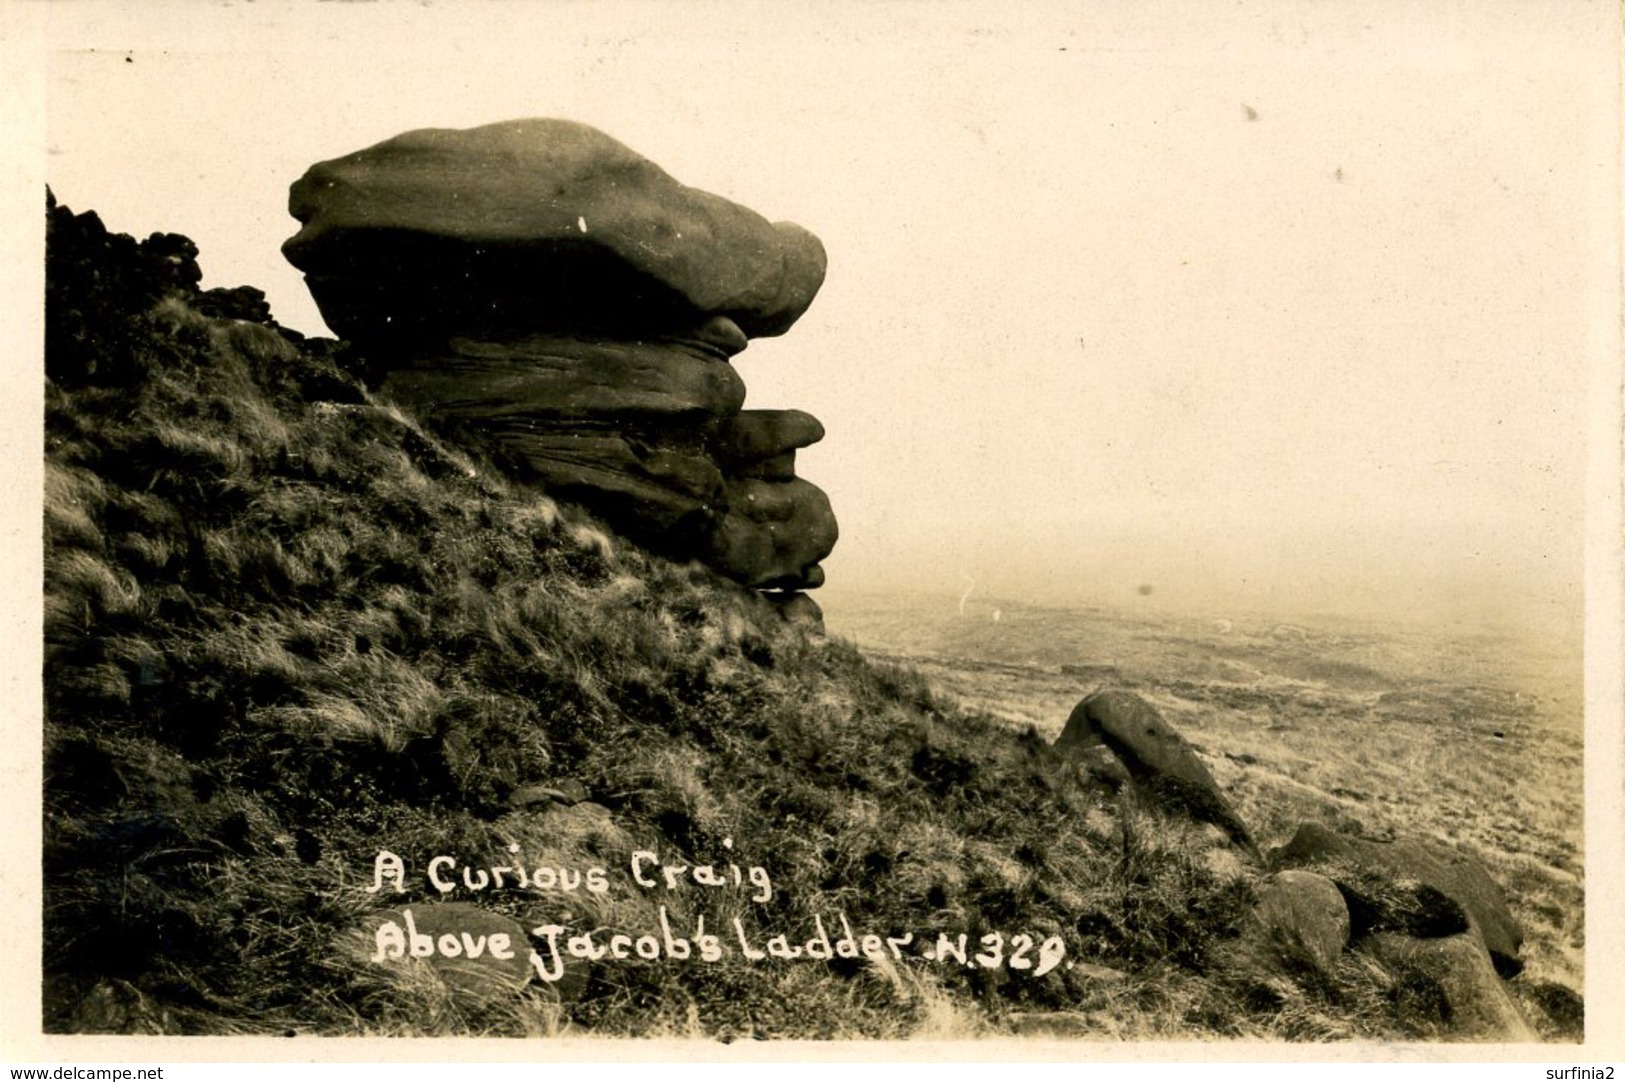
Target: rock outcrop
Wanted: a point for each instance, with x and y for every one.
(1433, 917)
(540, 289)
(1456, 979)
(1458, 887)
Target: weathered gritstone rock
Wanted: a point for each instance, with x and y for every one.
(1303, 912)
(535, 221)
(774, 533)
(538, 288)
(1155, 755)
(1098, 761)
(762, 444)
(1443, 871)
(675, 384)
(1475, 1005)
(776, 527)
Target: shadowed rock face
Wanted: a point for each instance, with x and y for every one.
(539, 288)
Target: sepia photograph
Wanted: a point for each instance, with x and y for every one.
(1068, 526)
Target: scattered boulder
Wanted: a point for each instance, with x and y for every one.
(529, 796)
(1455, 973)
(1102, 974)
(461, 940)
(567, 792)
(1155, 755)
(1448, 891)
(574, 791)
(539, 289)
(1304, 913)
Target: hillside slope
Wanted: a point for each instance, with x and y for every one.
(287, 629)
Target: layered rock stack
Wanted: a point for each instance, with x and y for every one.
(540, 288)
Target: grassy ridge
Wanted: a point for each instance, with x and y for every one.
(286, 627)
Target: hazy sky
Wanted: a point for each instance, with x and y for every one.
(1289, 304)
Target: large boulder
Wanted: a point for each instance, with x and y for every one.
(664, 498)
(535, 222)
(621, 427)
(1440, 875)
(1156, 756)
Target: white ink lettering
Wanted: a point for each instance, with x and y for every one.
(387, 863)
(947, 948)
(673, 943)
(1050, 953)
(744, 944)
(389, 941)
(710, 946)
(444, 886)
(640, 858)
(551, 933)
(819, 946)
(993, 957)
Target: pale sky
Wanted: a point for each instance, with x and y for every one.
(1287, 305)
